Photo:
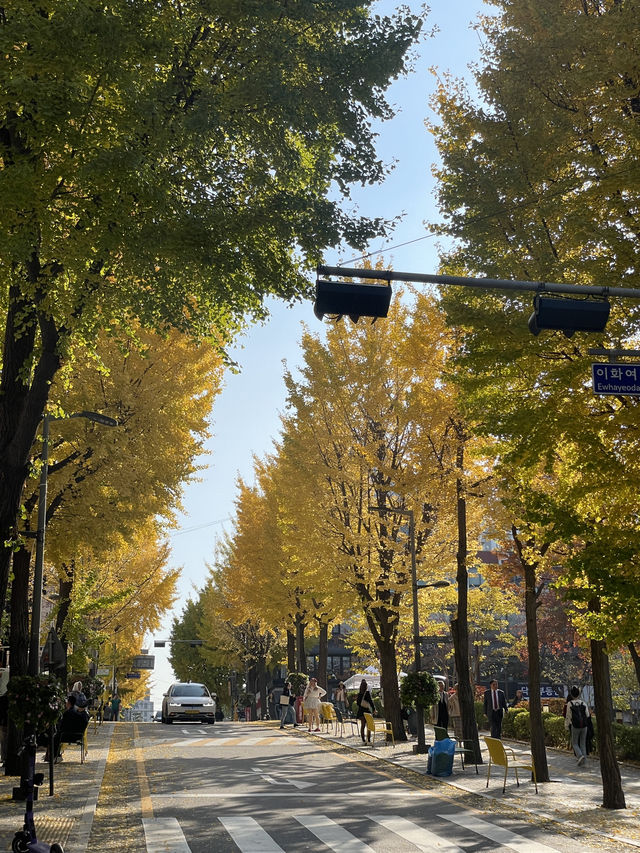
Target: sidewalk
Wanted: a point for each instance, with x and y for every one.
(67, 816)
(573, 798)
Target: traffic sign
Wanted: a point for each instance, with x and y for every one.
(611, 378)
(133, 675)
(143, 662)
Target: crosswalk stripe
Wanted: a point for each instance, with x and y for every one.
(164, 835)
(249, 836)
(497, 833)
(421, 838)
(336, 837)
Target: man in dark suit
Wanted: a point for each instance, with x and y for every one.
(495, 705)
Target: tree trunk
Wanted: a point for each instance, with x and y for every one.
(635, 657)
(291, 651)
(460, 624)
(18, 646)
(538, 749)
(323, 653)
(389, 685)
(302, 657)
(612, 793)
(261, 685)
(65, 589)
(22, 405)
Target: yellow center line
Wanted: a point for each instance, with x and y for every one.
(146, 806)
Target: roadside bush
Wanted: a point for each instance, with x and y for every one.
(508, 722)
(555, 733)
(522, 724)
(556, 706)
(627, 741)
(481, 720)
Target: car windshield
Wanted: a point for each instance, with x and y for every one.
(190, 690)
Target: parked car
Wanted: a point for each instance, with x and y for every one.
(188, 700)
(157, 717)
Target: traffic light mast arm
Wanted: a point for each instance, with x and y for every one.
(484, 283)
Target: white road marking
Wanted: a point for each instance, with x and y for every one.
(295, 782)
(421, 838)
(249, 835)
(163, 835)
(336, 837)
(497, 833)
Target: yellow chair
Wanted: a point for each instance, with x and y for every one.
(328, 716)
(504, 756)
(374, 726)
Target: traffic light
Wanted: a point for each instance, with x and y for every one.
(568, 315)
(335, 298)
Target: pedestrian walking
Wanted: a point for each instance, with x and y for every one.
(286, 708)
(312, 702)
(576, 719)
(365, 706)
(340, 697)
(115, 707)
(495, 706)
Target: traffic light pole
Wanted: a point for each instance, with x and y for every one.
(482, 283)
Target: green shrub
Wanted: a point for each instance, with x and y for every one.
(481, 720)
(522, 724)
(508, 722)
(555, 733)
(418, 688)
(627, 741)
(556, 706)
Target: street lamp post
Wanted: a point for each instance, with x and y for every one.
(38, 572)
(417, 657)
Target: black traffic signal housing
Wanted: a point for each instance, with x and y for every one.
(336, 298)
(568, 315)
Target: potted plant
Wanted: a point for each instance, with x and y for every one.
(36, 702)
(418, 689)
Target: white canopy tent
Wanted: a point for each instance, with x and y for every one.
(371, 676)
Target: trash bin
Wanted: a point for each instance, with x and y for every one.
(440, 759)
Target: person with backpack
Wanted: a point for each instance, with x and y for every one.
(576, 716)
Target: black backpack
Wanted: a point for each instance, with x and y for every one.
(578, 715)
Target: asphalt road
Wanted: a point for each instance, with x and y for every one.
(233, 787)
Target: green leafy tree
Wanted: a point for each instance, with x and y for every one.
(187, 655)
(173, 168)
(539, 183)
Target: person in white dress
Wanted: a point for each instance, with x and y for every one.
(312, 703)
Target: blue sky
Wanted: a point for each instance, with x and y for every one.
(246, 415)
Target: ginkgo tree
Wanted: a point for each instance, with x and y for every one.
(366, 425)
(104, 484)
(538, 182)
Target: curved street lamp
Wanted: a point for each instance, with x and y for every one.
(36, 615)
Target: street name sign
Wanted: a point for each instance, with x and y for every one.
(611, 378)
(143, 662)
